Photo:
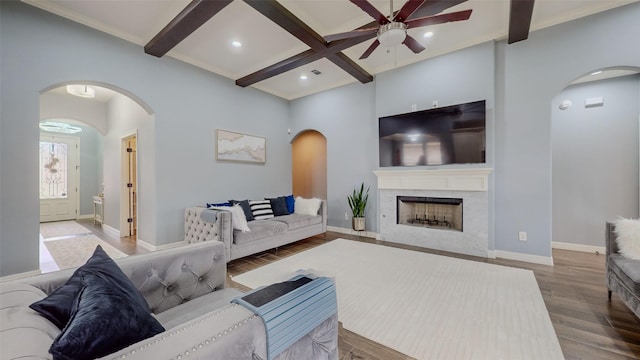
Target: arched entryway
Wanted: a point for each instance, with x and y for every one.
(595, 149)
(309, 164)
(110, 118)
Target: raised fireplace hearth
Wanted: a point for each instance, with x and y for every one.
(430, 212)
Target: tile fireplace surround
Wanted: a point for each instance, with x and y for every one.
(471, 185)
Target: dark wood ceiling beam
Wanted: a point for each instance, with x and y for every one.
(277, 13)
(520, 15)
(348, 65)
(186, 22)
(302, 59)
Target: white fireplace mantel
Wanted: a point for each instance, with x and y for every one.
(471, 179)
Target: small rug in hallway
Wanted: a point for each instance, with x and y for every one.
(62, 228)
(75, 251)
(428, 306)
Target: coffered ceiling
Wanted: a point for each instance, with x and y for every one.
(265, 43)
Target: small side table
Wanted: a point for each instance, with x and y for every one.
(98, 210)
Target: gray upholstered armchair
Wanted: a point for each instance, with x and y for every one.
(622, 274)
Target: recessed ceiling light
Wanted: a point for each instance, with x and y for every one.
(428, 34)
(236, 43)
(596, 72)
(303, 77)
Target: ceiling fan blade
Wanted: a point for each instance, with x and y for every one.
(407, 9)
(350, 34)
(439, 19)
(413, 44)
(520, 20)
(371, 10)
(186, 22)
(370, 49)
(430, 8)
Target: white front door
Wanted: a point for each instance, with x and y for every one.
(58, 178)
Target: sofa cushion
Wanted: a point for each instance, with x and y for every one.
(25, 334)
(57, 307)
(244, 204)
(261, 209)
(106, 318)
(628, 270)
(260, 229)
(296, 221)
(291, 203)
(238, 218)
(197, 307)
(628, 237)
(307, 206)
(279, 206)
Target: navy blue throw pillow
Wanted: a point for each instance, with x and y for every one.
(278, 205)
(106, 318)
(228, 204)
(291, 202)
(246, 208)
(57, 307)
(99, 311)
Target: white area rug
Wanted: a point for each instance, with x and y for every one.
(428, 306)
(62, 228)
(75, 251)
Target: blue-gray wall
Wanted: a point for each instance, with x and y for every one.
(595, 159)
(40, 49)
(187, 105)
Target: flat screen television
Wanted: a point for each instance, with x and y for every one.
(448, 135)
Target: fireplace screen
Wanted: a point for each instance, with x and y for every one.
(438, 213)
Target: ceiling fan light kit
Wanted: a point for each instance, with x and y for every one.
(392, 34)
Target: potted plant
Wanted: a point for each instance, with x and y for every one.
(358, 202)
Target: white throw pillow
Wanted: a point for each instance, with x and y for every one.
(307, 206)
(238, 220)
(628, 232)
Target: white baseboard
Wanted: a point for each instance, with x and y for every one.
(350, 231)
(578, 247)
(491, 254)
(111, 230)
(86, 216)
(152, 247)
(536, 259)
(20, 275)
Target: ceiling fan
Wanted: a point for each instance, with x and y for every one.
(393, 29)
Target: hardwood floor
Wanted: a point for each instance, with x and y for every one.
(587, 324)
(127, 245)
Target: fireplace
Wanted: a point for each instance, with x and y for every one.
(429, 212)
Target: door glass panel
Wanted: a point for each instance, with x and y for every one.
(53, 170)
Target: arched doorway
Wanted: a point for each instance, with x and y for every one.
(108, 115)
(595, 155)
(309, 164)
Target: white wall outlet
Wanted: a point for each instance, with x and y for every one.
(435, 103)
(346, 216)
(414, 107)
(522, 236)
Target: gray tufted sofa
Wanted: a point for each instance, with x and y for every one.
(201, 224)
(185, 288)
(622, 274)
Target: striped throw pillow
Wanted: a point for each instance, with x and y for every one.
(261, 209)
